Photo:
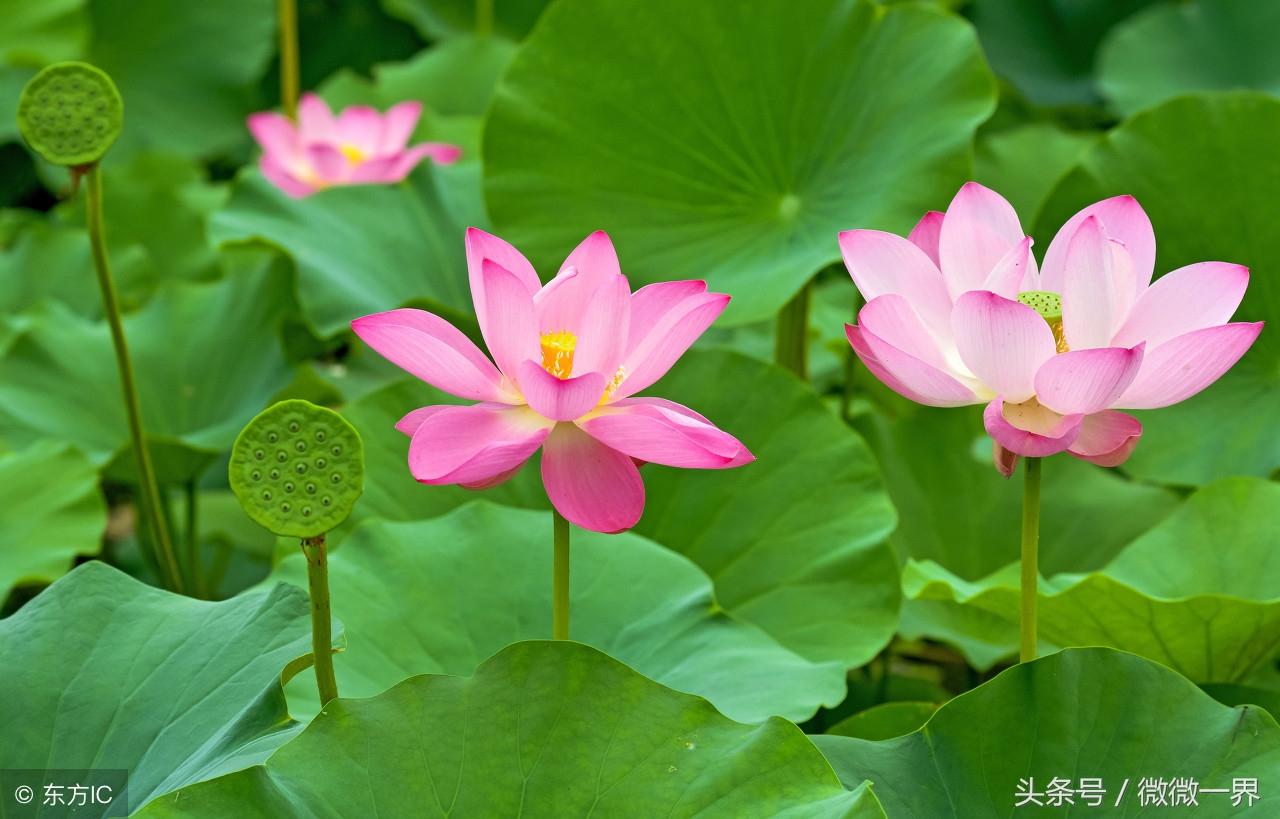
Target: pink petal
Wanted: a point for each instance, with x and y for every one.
(397, 126)
(603, 328)
(1087, 381)
(905, 374)
(401, 164)
(1190, 298)
(652, 302)
(1124, 220)
(507, 320)
(481, 246)
(1014, 271)
(470, 445)
(1091, 306)
(663, 345)
(275, 133)
(593, 486)
(1185, 365)
(329, 164)
(413, 419)
(382, 171)
(892, 319)
(432, 349)
(1107, 438)
(360, 127)
(560, 399)
(882, 263)
(315, 120)
(278, 175)
(1005, 461)
(594, 256)
(925, 235)
(980, 227)
(665, 433)
(1029, 429)
(1002, 342)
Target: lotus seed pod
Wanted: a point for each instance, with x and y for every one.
(297, 469)
(70, 113)
(1048, 305)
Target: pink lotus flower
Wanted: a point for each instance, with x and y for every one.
(571, 355)
(359, 146)
(958, 314)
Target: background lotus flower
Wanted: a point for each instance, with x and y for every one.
(571, 355)
(359, 146)
(958, 314)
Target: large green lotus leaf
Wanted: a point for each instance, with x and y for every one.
(48, 261)
(207, 358)
(734, 145)
(795, 541)
(358, 249)
(1199, 592)
(446, 19)
(415, 598)
(886, 720)
(1174, 158)
(1047, 48)
(1080, 713)
(103, 671)
(1025, 162)
(1200, 45)
(455, 77)
(543, 729)
(955, 508)
(161, 203)
(186, 70)
(44, 32)
(52, 511)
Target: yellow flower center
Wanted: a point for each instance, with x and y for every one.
(353, 154)
(557, 353)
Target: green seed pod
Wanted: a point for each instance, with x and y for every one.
(1047, 304)
(297, 469)
(70, 114)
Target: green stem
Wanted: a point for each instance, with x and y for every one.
(790, 344)
(560, 578)
(484, 18)
(287, 14)
(1030, 554)
(194, 567)
(850, 369)
(163, 545)
(321, 628)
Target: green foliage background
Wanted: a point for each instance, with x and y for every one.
(857, 580)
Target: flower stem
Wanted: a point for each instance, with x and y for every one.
(790, 343)
(287, 14)
(194, 568)
(321, 627)
(560, 578)
(484, 18)
(1030, 555)
(163, 545)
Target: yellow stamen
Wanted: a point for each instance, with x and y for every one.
(557, 353)
(614, 383)
(353, 154)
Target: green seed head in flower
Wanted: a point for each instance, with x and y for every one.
(298, 469)
(1049, 306)
(70, 114)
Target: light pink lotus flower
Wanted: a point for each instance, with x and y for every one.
(571, 355)
(359, 146)
(958, 314)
